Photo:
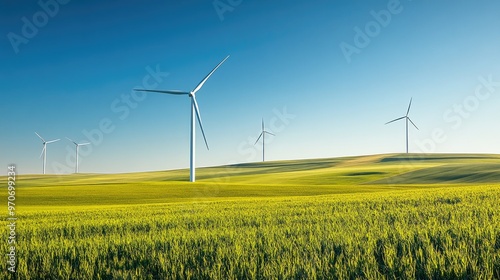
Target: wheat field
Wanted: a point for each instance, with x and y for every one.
(377, 217)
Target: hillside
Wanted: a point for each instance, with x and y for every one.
(270, 179)
(370, 217)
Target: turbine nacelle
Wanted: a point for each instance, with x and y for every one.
(195, 114)
(263, 136)
(77, 146)
(407, 119)
(44, 149)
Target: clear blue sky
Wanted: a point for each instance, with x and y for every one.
(67, 68)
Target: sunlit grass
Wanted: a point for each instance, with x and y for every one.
(449, 233)
(332, 218)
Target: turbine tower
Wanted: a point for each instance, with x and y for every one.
(407, 119)
(263, 135)
(44, 150)
(195, 114)
(77, 146)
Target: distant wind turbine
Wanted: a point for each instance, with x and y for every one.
(44, 150)
(263, 135)
(194, 110)
(77, 146)
(407, 119)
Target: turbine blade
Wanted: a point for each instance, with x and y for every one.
(43, 150)
(52, 141)
(177, 92)
(262, 124)
(262, 133)
(72, 141)
(40, 137)
(208, 76)
(197, 109)
(395, 120)
(413, 124)
(407, 112)
(83, 144)
(269, 133)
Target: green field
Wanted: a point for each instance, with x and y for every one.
(382, 216)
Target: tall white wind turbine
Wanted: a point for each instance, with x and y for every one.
(194, 111)
(407, 120)
(44, 150)
(263, 135)
(77, 146)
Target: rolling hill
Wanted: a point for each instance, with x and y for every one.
(369, 217)
(308, 177)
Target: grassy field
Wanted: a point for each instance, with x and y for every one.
(381, 216)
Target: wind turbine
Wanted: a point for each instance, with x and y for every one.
(44, 150)
(194, 111)
(263, 135)
(77, 146)
(407, 119)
